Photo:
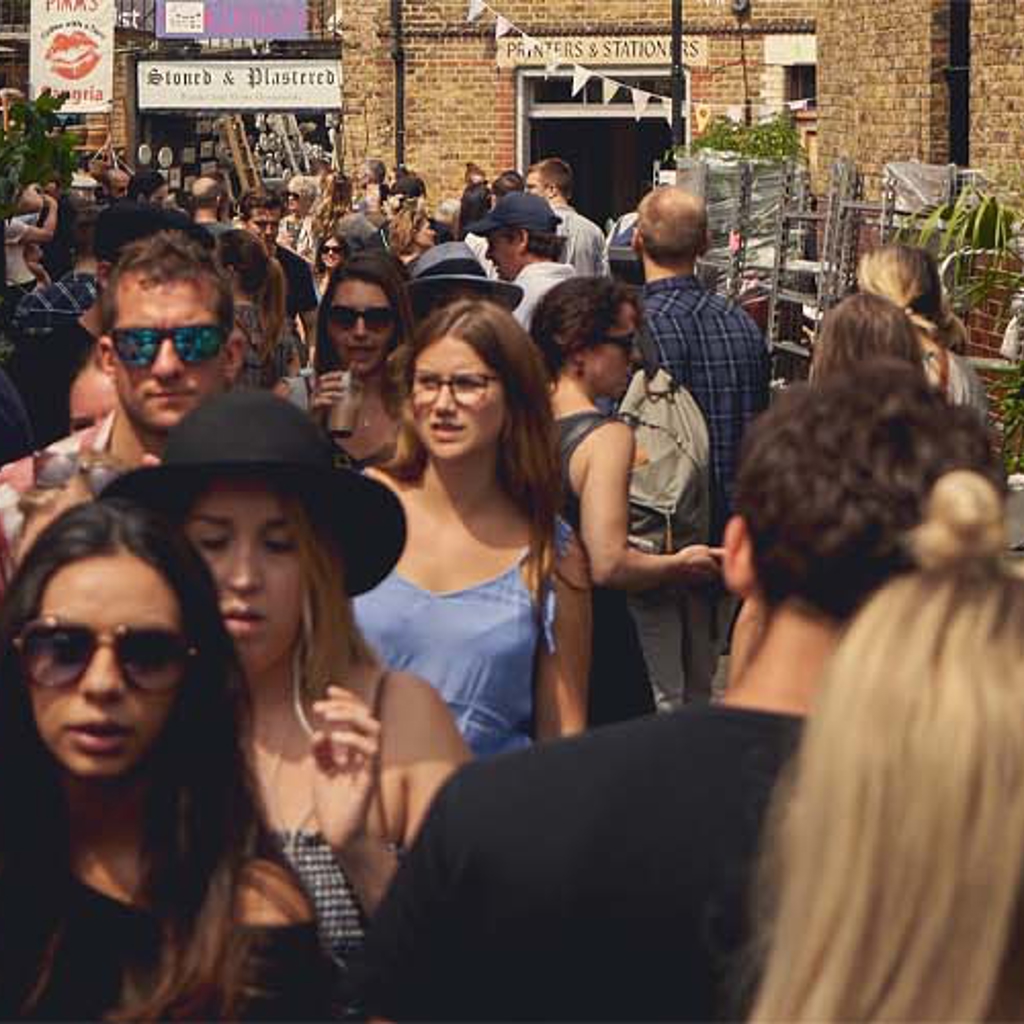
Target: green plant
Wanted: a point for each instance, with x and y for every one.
(1009, 396)
(776, 139)
(33, 147)
(978, 232)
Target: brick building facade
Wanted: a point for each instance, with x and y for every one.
(470, 97)
(885, 74)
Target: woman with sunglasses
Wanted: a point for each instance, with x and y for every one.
(364, 316)
(331, 253)
(490, 600)
(586, 330)
(135, 878)
(347, 755)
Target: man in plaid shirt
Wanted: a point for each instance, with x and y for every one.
(715, 350)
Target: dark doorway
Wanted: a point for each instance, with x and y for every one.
(612, 159)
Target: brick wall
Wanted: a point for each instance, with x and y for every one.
(997, 88)
(461, 107)
(881, 86)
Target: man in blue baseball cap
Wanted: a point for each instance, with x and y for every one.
(523, 243)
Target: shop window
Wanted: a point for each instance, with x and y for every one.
(801, 82)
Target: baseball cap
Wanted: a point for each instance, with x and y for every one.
(518, 210)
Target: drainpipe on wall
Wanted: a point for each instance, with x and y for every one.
(678, 75)
(398, 56)
(958, 77)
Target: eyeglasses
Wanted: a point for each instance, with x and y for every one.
(139, 346)
(331, 250)
(57, 654)
(55, 470)
(468, 389)
(376, 318)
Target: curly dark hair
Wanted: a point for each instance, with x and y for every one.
(577, 314)
(833, 477)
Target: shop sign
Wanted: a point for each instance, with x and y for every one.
(239, 85)
(595, 51)
(72, 52)
(231, 19)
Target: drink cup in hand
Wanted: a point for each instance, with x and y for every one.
(344, 415)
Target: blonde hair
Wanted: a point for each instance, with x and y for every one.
(331, 642)
(909, 276)
(405, 225)
(896, 856)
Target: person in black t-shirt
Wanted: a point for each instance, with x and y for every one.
(607, 876)
(261, 213)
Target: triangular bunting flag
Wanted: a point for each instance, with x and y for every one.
(502, 27)
(580, 77)
(609, 89)
(476, 9)
(640, 101)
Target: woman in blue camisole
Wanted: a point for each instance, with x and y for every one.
(490, 600)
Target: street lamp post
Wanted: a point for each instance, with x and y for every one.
(678, 80)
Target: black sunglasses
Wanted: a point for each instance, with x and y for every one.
(56, 654)
(376, 318)
(625, 341)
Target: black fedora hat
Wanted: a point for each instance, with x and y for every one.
(255, 434)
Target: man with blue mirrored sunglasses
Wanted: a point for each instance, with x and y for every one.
(167, 343)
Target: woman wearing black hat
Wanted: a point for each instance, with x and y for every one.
(348, 755)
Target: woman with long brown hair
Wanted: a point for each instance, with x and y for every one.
(136, 881)
(490, 600)
(258, 289)
(364, 317)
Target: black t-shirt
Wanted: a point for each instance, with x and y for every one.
(604, 877)
(42, 369)
(16, 438)
(105, 938)
(298, 276)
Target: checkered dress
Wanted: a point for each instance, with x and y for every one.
(340, 919)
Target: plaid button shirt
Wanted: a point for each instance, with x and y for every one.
(712, 348)
(46, 309)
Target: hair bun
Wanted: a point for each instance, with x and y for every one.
(964, 522)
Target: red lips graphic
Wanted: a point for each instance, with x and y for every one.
(72, 55)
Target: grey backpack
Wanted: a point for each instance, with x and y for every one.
(669, 489)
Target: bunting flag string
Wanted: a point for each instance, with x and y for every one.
(610, 87)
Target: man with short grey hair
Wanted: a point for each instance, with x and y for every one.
(714, 349)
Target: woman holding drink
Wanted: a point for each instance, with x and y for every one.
(364, 317)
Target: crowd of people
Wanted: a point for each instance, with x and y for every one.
(404, 618)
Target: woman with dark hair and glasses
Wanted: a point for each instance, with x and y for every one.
(136, 881)
(364, 316)
(586, 329)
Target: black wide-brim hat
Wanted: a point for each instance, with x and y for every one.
(255, 435)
